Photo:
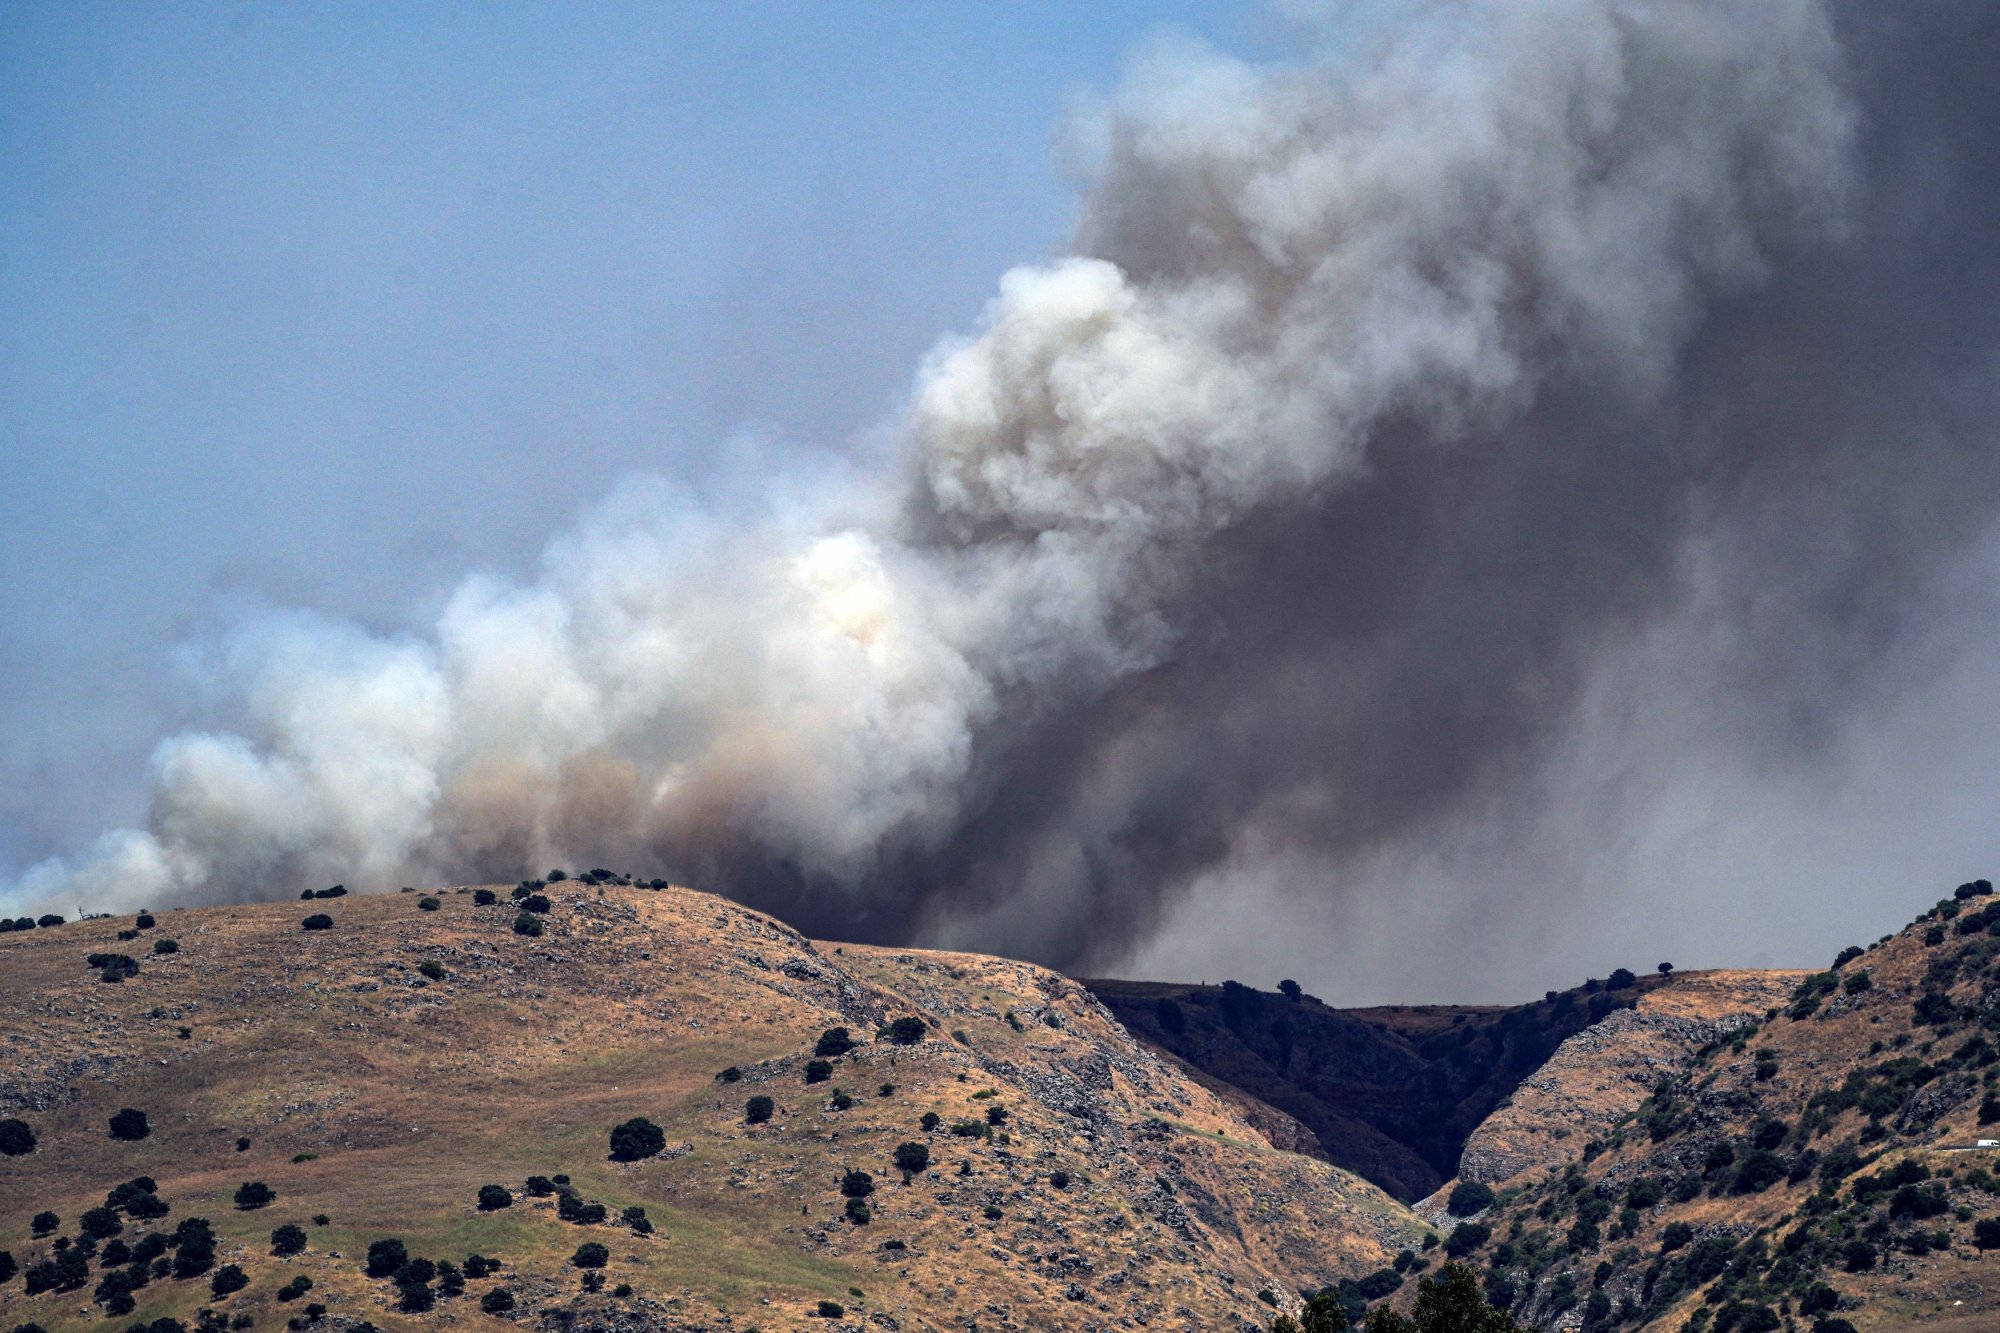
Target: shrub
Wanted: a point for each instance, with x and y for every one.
(527, 923)
(386, 1257)
(415, 1297)
(818, 1071)
(834, 1042)
(992, 1212)
(317, 921)
(539, 1187)
(484, 898)
(912, 1158)
(590, 1255)
(41, 1224)
(165, 946)
(622, 1290)
(16, 1138)
(905, 1031)
(1858, 1256)
(930, 1122)
(433, 969)
(1465, 1238)
(859, 1213)
(337, 891)
(144, 921)
(47, 920)
(228, 1278)
(1645, 1192)
(1621, 979)
(730, 1075)
(288, 1239)
(536, 903)
(253, 1194)
(1469, 1197)
(1986, 1233)
(497, 1301)
(636, 1139)
(100, 1223)
(857, 1184)
(1059, 1180)
(840, 1101)
(296, 1288)
(635, 1218)
(831, 1310)
(130, 1125)
(428, 904)
(492, 1198)
(758, 1110)
(7, 1266)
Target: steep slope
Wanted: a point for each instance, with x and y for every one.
(1816, 1163)
(378, 1073)
(1390, 1093)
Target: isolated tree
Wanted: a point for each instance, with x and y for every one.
(16, 1138)
(590, 1255)
(905, 1031)
(317, 921)
(834, 1042)
(637, 1138)
(912, 1158)
(130, 1125)
(1621, 978)
(228, 1278)
(1666, 969)
(492, 1198)
(288, 1239)
(930, 1122)
(252, 1194)
(1291, 990)
(497, 1301)
(758, 1109)
(43, 1223)
(527, 923)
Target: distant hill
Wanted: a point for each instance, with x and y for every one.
(1391, 1093)
(1806, 1165)
(380, 1076)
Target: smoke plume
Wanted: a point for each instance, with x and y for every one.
(1455, 444)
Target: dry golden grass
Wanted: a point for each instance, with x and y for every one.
(414, 1095)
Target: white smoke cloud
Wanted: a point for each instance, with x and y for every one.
(1291, 281)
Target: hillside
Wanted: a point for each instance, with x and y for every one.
(377, 1074)
(1807, 1164)
(1390, 1093)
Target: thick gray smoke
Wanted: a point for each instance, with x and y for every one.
(1419, 432)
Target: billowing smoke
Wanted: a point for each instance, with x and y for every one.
(1408, 422)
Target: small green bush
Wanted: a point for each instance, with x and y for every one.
(636, 1139)
(130, 1125)
(859, 1213)
(166, 946)
(433, 969)
(252, 1194)
(16, 1138)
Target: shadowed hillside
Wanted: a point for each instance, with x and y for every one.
(1390, 1093)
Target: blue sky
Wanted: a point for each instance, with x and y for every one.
(327, 305)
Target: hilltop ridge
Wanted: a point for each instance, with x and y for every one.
(376, 1074)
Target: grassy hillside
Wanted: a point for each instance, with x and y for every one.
(1811, 1168)
(377, 1074)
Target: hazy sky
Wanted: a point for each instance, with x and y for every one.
(330, 304)
(1438, 501)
